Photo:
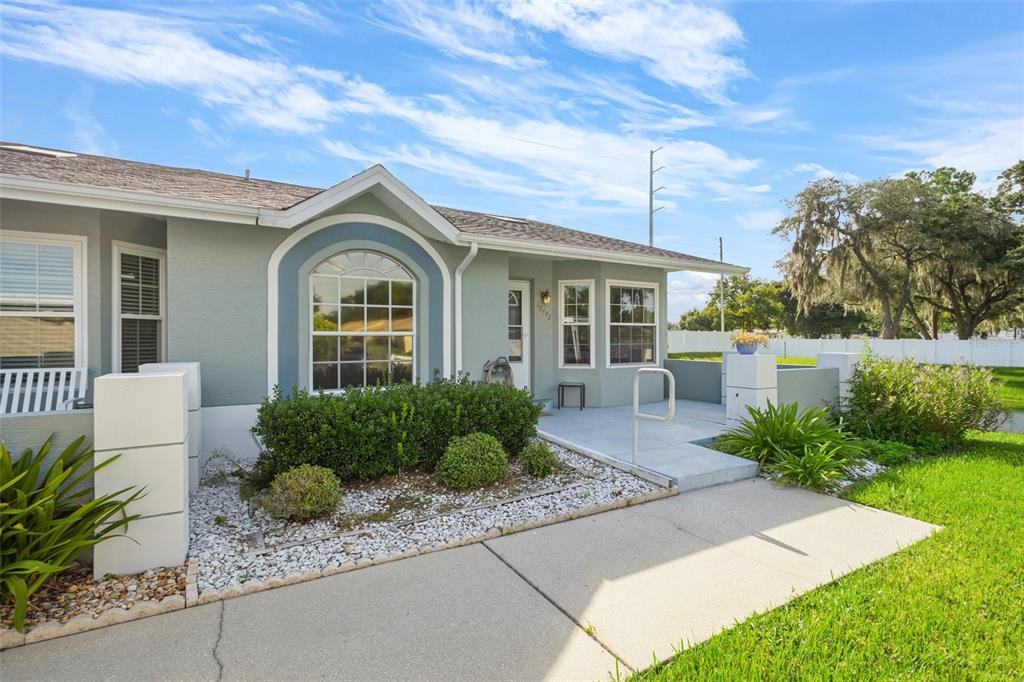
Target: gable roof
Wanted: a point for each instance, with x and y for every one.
(274, 203)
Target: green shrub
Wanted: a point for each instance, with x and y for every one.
(887, 452)
(303, 493)
(48, 517)
(472, 461)
(778, 430)
(371, 432)
(816, 466)
(929, 407)
(538, 459)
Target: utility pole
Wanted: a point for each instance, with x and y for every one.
(721, 289)
(650, 199)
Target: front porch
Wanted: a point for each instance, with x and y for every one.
(667, 449)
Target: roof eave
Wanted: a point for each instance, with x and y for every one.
(543, 248)
(26, 188)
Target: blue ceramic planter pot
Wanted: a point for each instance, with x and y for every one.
(746, 348)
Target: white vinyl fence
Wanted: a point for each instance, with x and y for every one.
(989, 352)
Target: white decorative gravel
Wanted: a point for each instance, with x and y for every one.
(864, 471)
(373, 517)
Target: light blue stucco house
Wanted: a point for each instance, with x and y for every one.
(107, 264)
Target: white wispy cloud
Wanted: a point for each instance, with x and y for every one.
(550, 154)
(761, 220)
(821, 172)
(88, 134)
(679, 43)
(462, 29)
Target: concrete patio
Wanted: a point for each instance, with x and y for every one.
(573, 601)
(666, 448)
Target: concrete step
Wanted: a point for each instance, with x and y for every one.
(693, 467)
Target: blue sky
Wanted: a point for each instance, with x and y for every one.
(537, 109)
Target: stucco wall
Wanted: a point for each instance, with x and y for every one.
(484, 311)
(697, 379)
(809, 386)
(217, 305)
(20, 431)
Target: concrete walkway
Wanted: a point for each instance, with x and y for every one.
(572, 601)
(666, 448)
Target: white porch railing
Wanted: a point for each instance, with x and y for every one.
(638, 415)
(41, 390)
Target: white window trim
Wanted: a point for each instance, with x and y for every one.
(118, 248)
(608, 322)
(415, 336)
(80, 315)
(562, 283)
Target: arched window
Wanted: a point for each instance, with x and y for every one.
(361, 317)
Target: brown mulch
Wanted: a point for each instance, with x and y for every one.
(74, 593)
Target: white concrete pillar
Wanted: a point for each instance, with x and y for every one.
(143, 418)
(725, 368)
(194, 386)
(845, 363)
(750, 380)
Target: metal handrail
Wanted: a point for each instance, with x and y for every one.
(638, 415)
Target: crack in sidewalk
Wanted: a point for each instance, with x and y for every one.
(216, 644)
(589, 632)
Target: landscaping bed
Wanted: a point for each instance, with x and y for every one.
(235, 542)
(74, 594)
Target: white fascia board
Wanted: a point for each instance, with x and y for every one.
(90, 196)
(562, 250)
(362, 182)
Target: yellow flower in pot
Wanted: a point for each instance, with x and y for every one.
(747, 342)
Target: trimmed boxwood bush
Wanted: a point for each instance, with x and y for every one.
(538, 460)
(929, 407)
(472, 461)
(303, 493)
(371, 432)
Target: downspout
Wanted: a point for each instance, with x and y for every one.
(473, 248)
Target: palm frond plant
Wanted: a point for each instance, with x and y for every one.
(48, 517)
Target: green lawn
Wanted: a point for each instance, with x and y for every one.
(717, 357)
(948, 608)
(1012, 390)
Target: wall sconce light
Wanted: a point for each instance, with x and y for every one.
(545, 297)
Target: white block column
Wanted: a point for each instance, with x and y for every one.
(725, 368)
(194, 386)
(750, 380)
(143, 418)
(845, 363)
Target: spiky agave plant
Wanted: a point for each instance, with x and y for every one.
(48, 517)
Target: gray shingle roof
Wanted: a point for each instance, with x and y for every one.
(103, 171)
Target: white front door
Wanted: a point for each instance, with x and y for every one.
(519, 332)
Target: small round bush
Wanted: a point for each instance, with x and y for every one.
(302, 493)
(471, 462)
(538, 459)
